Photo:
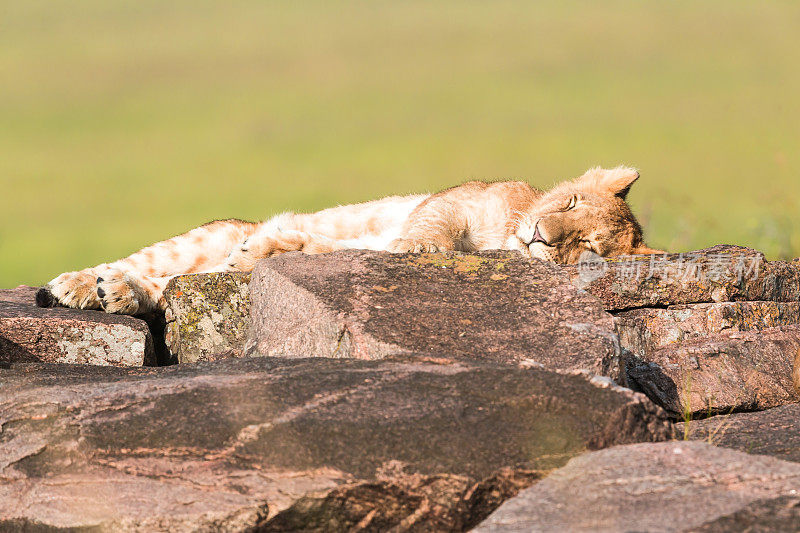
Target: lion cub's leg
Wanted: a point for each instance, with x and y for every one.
(273, 241)
(471, 217)
(135, 284)
(437, 225)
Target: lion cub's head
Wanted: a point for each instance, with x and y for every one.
(586, 214)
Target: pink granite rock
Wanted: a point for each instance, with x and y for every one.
(717, 274)
(722, 373)
(643, 331)
(60, 335)
(491, 306)
(676, 486)
(311, 445)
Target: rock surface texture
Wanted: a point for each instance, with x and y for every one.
(643, 331)
(314, 445)
(722, 373)
(705, 332)
(365, 305)
(780, 514)
(676, 486)
(775, 432)
(58, 335)
(207, 316)
(718, 274)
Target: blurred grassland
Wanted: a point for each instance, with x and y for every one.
(125, 122)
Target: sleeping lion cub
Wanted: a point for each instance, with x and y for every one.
(588, 213)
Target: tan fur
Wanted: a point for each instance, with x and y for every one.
(585, 214)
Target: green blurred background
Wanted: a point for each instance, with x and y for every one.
(125, 122)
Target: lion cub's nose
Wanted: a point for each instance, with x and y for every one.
(529, 237)
(537, 237)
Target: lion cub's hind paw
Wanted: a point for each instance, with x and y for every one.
(75, 289)
(108, 289)
(119, 293)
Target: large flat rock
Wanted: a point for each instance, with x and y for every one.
(207, 315)
(718, 274)
(642, 331)
(312, 444)
(365, 305)
(774, 432)
(723, 373)
(58, 335)
(676, 486)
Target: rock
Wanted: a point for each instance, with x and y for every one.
(60, 335)
(676, 486)
(207, 316)
(731, 371)
(718, 274)
(318, 444)
(772, 514)
(23, 295)
(405, 502)
(775, 432)
(365, 305)
(642, 331)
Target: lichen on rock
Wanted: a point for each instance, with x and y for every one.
(207, 315)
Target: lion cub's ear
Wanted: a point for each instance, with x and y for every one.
(614, 181)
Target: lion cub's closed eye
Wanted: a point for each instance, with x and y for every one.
(573, 201)
(587, 213)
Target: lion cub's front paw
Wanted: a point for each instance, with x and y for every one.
(120, 293)
(416, 246)
(244, 257)
(76, 289)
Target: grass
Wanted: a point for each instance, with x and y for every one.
(711, 435)
(124, 122)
